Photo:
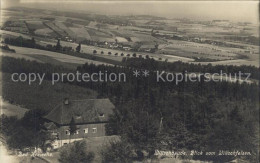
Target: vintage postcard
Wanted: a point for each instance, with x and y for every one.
(127, 81)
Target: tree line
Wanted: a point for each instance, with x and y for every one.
(138, 62)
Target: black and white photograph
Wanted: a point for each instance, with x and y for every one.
(129, 81)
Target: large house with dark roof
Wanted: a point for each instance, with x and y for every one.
(90, 117)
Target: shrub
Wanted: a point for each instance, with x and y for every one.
(76, 152)
(116, 152)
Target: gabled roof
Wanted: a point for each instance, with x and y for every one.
(83, 111)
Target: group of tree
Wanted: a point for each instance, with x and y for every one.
(26, 133)
(151, 64)
(78, 48)
(150, 115)
(76, 152)
(31, 43)
(6, 47)
(20, 41)
(191, 115)
(117, 151)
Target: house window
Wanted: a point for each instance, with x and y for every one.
(67, 132)
(94, 130)
(86, 130)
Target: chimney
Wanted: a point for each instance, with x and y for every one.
(66, 101)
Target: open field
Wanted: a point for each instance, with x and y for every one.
(121, 39)
(9, 109)
(14, 34)
(55, 28)
(173, 58)
(99, 35)
(237, 62)
(35, 25)
(44, 32)
(80, 33)
(226, 56)
(192, 50)
(220, 55)
(18, 55)
(47, 56)
(65, 28)
(140, 30)
(72, 21)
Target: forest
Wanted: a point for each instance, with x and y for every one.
(150, 115)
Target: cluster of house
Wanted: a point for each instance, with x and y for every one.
(90, 117)
(128, 46)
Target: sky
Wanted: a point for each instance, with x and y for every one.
(198, 10)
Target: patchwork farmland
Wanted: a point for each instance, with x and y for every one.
(116, 37)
